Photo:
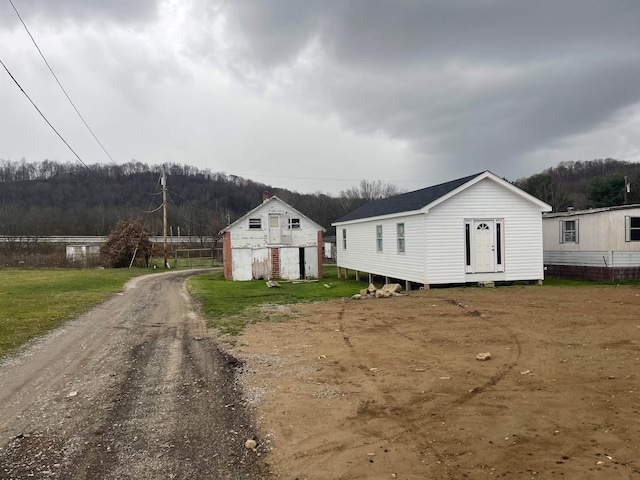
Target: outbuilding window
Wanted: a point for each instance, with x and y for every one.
(294, 223)
(344, 238)
(255, 223)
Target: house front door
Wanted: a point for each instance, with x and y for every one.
(484, 249)
(275, 234)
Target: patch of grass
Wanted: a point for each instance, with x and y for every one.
(563, 282)
(230, 306)
(33, 302)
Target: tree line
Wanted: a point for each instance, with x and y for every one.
(585, 184)
(52, 198)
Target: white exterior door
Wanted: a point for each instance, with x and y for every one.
(275, 234)
(484, 249)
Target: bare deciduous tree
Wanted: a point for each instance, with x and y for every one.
(128, 239)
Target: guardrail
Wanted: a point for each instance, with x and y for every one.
(84, 240)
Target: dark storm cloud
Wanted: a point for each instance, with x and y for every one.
(466, 80)
(56, 13)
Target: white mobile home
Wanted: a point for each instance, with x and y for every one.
(274, 240)
(475, 229)
(598, 244)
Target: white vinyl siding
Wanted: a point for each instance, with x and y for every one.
(362, 253)
(598, 230)
(521, 231)
(435, 240)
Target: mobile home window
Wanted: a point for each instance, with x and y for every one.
(400, 230)
(344, 238)
(633, 229)
(379, 238)
(255, 223)
(569, 231)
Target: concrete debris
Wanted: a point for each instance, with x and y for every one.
(388, 290)
(392, 287)
(483, 356)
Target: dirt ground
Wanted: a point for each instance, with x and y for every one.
(391, 388)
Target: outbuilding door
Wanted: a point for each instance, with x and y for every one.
(275, 234)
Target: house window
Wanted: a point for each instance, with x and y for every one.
(344, 238)
(467, 243)
(632, 233)
(379, 238)
(568, 231)
(400, 230)
(498, 243)
(255, 223)
(294, 223)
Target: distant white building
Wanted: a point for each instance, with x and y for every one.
(479, 228)
(274, 240)
(600, 244)
(80, 253)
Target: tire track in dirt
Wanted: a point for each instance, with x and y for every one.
(414, 425)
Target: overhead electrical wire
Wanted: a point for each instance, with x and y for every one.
(147, 212)
(47, 120)
(63, 139)
(58, 82)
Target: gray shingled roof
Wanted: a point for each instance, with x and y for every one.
(406, 202)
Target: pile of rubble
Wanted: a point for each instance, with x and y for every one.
(388, 290)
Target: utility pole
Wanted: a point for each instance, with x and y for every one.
(626, 189)
(164, 213)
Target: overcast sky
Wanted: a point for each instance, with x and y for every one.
(315, 96)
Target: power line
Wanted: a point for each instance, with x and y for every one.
(58, 81)
(48, 122)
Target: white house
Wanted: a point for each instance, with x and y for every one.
(274, 240)
(597, 244)
(475, 229)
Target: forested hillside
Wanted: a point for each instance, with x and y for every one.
(588, 184)
(50, 198)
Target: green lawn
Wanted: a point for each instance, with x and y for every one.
(32, 302)
(229, 306)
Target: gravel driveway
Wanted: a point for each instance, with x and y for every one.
(135, 388)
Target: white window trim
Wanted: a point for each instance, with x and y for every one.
(564, 231)
(401, 241)
(628, 228)
(379, 243)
